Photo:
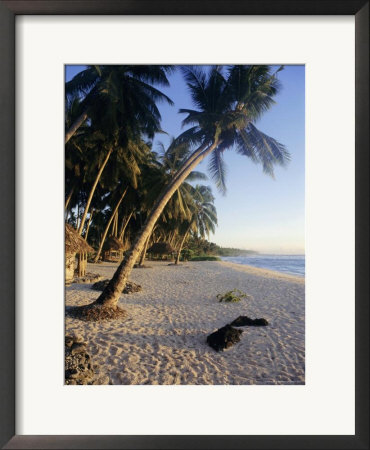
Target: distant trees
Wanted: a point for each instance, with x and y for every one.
(196, 246)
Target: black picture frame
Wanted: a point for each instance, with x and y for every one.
(8, 11)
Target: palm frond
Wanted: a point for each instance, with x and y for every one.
(263, 149)
(196, 81)
(217, 169)
(195, 176)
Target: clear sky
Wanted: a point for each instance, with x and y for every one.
(257, 212)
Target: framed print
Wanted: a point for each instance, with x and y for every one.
(145, 368)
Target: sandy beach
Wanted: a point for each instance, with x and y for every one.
(163, 340)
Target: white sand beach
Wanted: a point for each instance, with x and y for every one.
(163, 340)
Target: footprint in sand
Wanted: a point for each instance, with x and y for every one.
(114, 350)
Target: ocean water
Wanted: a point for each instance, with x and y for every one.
(291, 264)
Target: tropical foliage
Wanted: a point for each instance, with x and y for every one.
(233, 296)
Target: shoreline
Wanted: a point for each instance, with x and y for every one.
(264, 272)
(163, 340)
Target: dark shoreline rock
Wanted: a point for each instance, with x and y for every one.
(224, 338)
(243, 321)
(77, 366)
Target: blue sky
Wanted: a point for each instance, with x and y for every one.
(257, 212)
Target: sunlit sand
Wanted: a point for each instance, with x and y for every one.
(163, 340)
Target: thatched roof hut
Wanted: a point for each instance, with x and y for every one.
(112, 243)
(161, 248)
(74, 242)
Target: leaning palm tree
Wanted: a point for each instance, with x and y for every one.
(110, 220)
(158, 175)
(168, 162)
(125, 165)
(203, 219)
(227, 105)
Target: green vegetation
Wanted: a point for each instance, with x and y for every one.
(197, 246)
(205, 258)
(225, 251)
(232, 296)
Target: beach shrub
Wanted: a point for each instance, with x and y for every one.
(205, 258)
(233, 296)
(186, 254)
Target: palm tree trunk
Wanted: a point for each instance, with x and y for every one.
(69, 197)
(78, 216)
(143, 253)
(171, 235)
(109, 297)
(108, 225)
(191, 158)
(88, 224)
(92, 190)
(75, 126)
(125, 225)
(114, 226)
(181, 245)
(173, 238)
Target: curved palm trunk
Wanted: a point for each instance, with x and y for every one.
(181, 245)
(171, 237)
(143, 253)
(88, 224)
(115, 225)
(75, 126)
(109, 297)
(125, 225)
(191, 158)
(69, 198)
(92, 190)
(108, 225)
(78, 216)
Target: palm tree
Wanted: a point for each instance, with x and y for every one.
(124, 162)
(168, 162)
(87, 155)
(227, 105)
(114, 95)
(93, 188)
(121, 106)
(157, 176)
(78, 166)
(113, 215)
(204, 216)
